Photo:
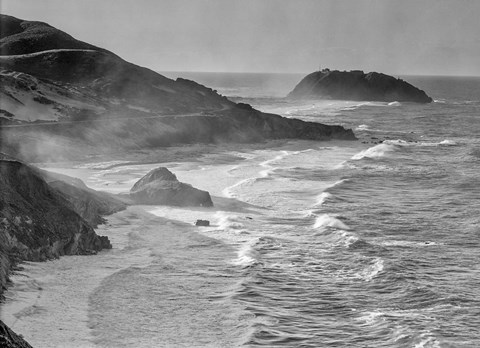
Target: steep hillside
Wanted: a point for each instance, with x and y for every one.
(59, 93)
(18, 36)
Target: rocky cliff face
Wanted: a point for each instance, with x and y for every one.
(36, 221)
(40, 221)
(356, 85)
(161, 186)
(89, 204)
(9, 339)
(63, 95)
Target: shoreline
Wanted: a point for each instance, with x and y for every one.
(217, 161)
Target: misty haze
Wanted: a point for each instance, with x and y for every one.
(226, 173)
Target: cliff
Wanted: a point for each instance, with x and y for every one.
(9, 339)
(63, 97)
(36, 221)
(40, 221)
(356, 85)
(89, 204)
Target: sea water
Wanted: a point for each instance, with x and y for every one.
(368, 243)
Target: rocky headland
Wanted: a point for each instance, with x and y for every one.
(64, 98)
(357, 85)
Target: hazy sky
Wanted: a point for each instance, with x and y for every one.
(440, 37)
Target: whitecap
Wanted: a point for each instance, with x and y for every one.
(371, 317)
(321, 198)
(372, 270)
(427, 340)
(447, 142)
(326, 220)
(362, 127)
(246, 254)
(376, 151)
(228, 221)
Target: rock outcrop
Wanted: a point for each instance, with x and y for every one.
(356, 85)
(62, 97)
(89, 204)
(37, 222)
(9, 339)
(161, 186)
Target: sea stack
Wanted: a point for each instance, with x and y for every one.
(161, 186)
(357, 85)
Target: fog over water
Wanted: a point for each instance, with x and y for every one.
(432, 37)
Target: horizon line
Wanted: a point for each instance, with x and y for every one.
(305, 73)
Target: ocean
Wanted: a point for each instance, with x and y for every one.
(368, 243)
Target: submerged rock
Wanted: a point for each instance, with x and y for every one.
(356, 85)
(161, 186)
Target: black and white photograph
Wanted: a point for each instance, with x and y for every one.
(239, 173)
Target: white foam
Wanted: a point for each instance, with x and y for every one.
(427, 340)
(326, 220)
(362, 127)
(371, 317)
(372, 270)
(426, 243)
(322, 197)
(399, 142)
(376, 151)
(246, 254)
(395, 103)
(228, 221)
(229, 192)
(447, 142)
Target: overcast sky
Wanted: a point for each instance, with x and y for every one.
(439, 37)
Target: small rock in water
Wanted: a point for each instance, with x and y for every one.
(202, 223)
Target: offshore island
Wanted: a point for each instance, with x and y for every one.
(357, 85)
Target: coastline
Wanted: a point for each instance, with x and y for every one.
(35, 293)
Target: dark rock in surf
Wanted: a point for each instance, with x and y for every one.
(202, 223)
(161, 186)
(356, 85)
